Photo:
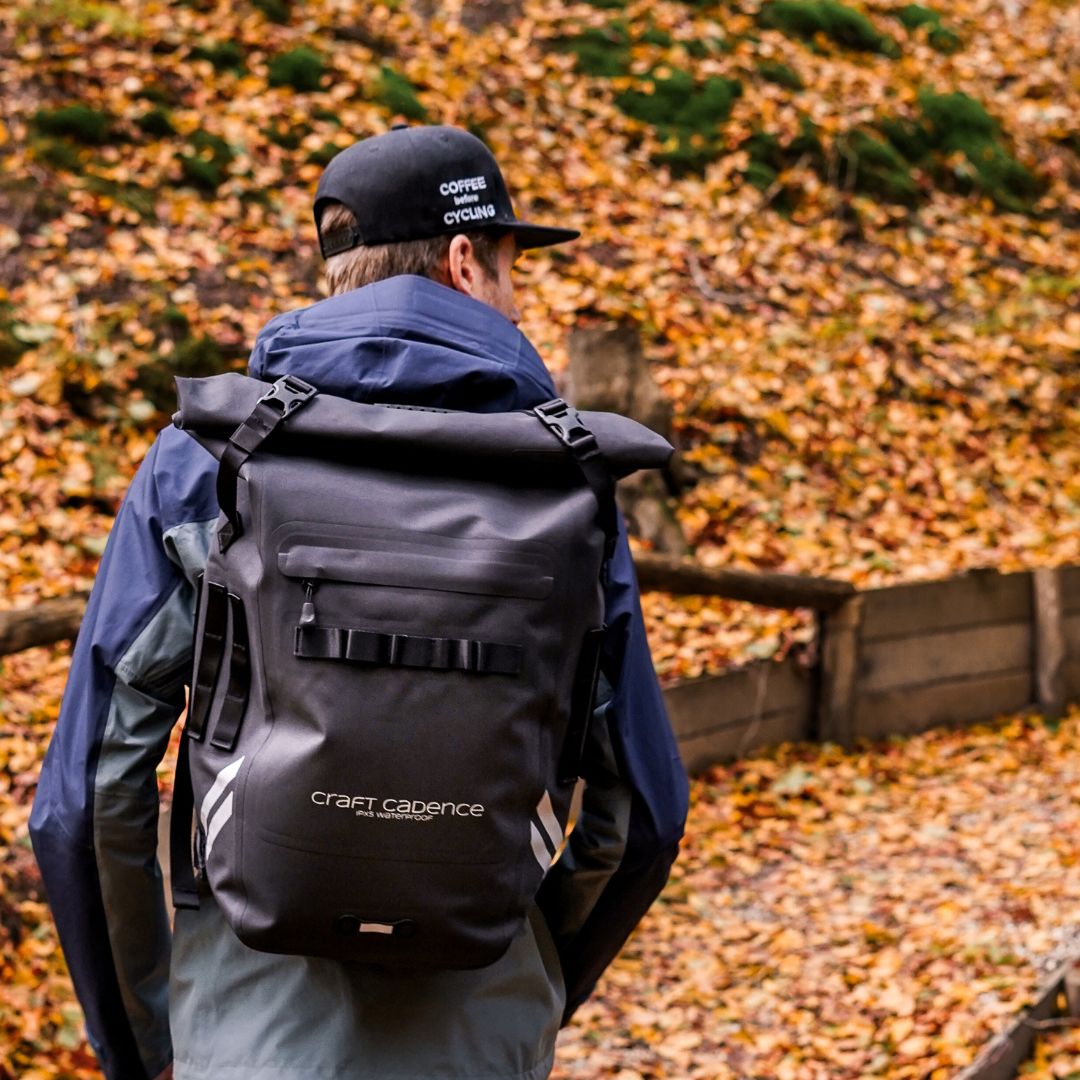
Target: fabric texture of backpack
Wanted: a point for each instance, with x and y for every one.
(396, 652)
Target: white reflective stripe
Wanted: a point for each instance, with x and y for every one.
(543, 856)
(546, 813)
(221, 782)
(217, 822)
(376, 928)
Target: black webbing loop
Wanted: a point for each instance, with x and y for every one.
(210, 648)
(565, 423)
(236, 690)
(406, 650)
(287, 395)
(185, 889)
(582, 696)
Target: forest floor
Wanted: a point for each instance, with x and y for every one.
(832, 915)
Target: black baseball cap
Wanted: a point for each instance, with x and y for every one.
(412, 183)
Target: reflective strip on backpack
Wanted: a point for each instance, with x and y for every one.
(218, 822)
(224, 812)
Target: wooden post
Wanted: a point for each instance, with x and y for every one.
(840, 631)
(44, 624)
(1049, 639)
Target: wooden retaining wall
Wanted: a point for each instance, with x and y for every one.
(896, 661)
(891, 661)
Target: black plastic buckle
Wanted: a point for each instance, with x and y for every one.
(563, 420)
(290, 393)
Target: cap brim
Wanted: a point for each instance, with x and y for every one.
(534, 236)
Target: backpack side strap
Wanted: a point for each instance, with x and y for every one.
(185, 888)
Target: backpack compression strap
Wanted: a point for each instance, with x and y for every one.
(566, 424)
(286, 396)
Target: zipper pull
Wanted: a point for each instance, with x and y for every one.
(307, 612)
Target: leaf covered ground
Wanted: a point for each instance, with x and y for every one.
(847, 234)
(880, 913)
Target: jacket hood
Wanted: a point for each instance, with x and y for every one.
(406, 340)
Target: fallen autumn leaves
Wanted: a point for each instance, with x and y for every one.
(839, 916)
(833, 915)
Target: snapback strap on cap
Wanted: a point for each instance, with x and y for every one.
(334, 243)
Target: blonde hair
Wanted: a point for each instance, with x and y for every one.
(362, 265)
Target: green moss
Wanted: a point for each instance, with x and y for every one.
(956, 123)
(769, 157)
(155, 95)
(133, 196)
(765, 150)
(275, 10)
(607, 5)
(301, 68)
(156, 123)
(204, 175)
(11, 348)
(602, 53)
(915, 17)
(58, 155)
(679, 102)
(206, 167)
(324, 154)
(192, 358)
(686, 113)
(688, 155)
(776, 72)
(91, 127)
(285, 135)
(845, 26)
(908, 138)
(875, 168)
(225, 56)
(175, 321)
(395, 92)
(760, 175)
(950, 117)
(807, 144)
(655, 36)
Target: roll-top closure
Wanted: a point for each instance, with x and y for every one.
(212, 408)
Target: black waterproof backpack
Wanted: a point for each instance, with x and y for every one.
(396, 649)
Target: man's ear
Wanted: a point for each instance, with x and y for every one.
(462, 266)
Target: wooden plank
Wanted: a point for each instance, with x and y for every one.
(1071, 675)
(975, 599)
(45, 623)
(684, 576)
(840, 666)
(703, 705)
(1049, 630)
(957, 654)
(726, 744)
(1002, 1057)
(1070, 588)
(1071, 631)
(909, 710)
